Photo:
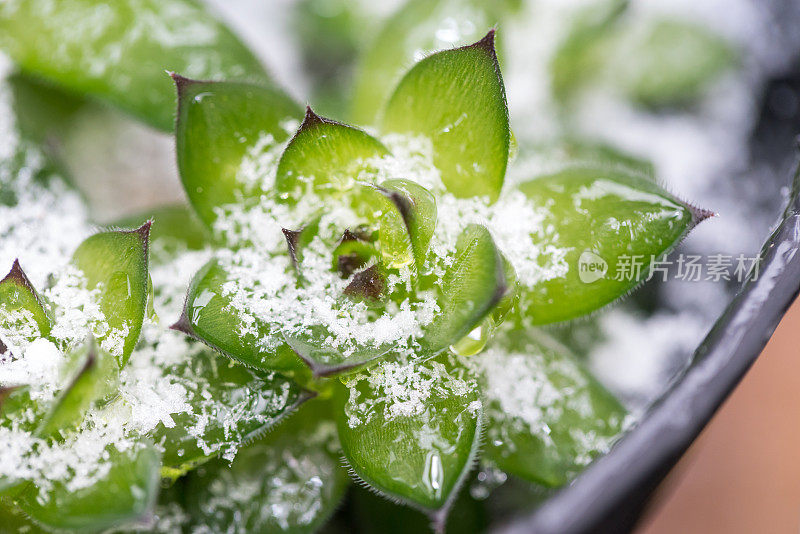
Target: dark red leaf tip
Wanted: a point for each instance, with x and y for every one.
(183, 325)
(181, 82)
(5, 391)
(368, 283)
(311, 119)
(18, 276)
(487, 43)
(292, 240)
(144, 229)
(348, 236)
(699, 214)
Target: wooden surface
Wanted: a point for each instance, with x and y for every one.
(742, 475)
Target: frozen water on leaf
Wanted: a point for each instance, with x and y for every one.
(18, 326)
(264, 286)
(293, 494)
(523, 391)
(38, 366)
(401, 390)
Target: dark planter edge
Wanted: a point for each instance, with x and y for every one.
(610, 495)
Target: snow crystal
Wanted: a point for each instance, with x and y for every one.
(293, 494)
(531, 391)
(402, 390)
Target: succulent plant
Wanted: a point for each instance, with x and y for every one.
(387, 284)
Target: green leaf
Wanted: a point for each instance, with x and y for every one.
(118, 52)
(475, 341)
(289, 481)
(227, 135)
(17, 411)
(674, 61)
(231, 406)
(546, 417)
(13, 521)
(326, 360)
(209, 317)
(411, 431)
(23, 314)
(472, 286)
(456, 98)
(115, 263)
(325, 156)
(95, 376)
(12, 399)
(607, 221)
(126, 494)
(409, 226)
(418, 26)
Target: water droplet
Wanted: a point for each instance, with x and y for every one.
(487, 480)
(475, 341)
(433, 477)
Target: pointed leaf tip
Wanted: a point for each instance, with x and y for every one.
(311, 119)
(368, 283)
(292, 240)
(16, 274)
(487, 43)
(181, 82)
(183, 325)
(700, 214)
(144, 234)
(144, 229)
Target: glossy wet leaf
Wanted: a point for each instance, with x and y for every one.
(93, 376)
(546, 417)
(23, 314)
(611, 226)
(410, 225)
(115, 263)
(126, 494)
(475, 341)
(417, 28)
(289, 481)
(472, 286)
(231, 406)
(324, 359)
(118, 51)
(411, 432)
(456, 98)
(209, 317)
(673, 62)
(227, 135)
(324, 156)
